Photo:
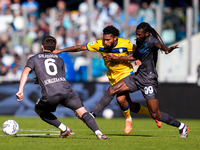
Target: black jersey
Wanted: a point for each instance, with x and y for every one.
(50, 72)
(148, 54)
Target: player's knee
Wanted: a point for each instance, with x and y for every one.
(38, 111)
(80, 111)
(120, 100)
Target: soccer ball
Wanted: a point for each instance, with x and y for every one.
(108, 113)
(10, 127)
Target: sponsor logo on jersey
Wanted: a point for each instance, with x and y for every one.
(121, 50)
(54, 80)
(91, 43)
(144, 50)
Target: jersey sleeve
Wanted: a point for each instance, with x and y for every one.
(30, 63)
(131, 47)
(93, 46)
(154, 41)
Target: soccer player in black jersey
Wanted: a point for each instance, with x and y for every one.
(145, 79)
(50, 72)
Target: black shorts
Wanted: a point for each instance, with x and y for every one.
(148, 87)
(69, 100)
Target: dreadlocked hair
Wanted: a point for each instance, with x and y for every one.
(111, 30)
(147, 28)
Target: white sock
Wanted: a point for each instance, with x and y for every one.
(129, 119)
(62, 127)
(181, 126)
(98, 132)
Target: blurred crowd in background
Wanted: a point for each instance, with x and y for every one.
(71, 29)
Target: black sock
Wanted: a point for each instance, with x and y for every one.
(137, 107)
(90, 122)
(169, 120)
(102, 103)
(50, 119)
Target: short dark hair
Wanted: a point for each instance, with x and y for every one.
(111, 30)
(49, 43)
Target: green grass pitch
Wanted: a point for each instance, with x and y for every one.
(34, 134)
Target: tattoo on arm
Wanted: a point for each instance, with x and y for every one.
(75, 48)
(127, 58)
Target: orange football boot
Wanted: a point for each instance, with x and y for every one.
(128, 127)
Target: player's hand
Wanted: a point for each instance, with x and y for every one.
(170, 49)
(20, 96)
(109, 57)
(137, 63)
(56, 51)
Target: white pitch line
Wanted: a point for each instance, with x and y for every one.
(33, 134)
(38, 131)
(36, 134)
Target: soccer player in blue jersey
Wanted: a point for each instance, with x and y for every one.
(145, 79)
(111, 44)
(50, 72)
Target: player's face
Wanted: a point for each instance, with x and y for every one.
(109, 40)
(140, 36)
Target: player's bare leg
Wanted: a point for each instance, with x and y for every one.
(164, 117)
(135, 107)
(140, 109)
(121, 99)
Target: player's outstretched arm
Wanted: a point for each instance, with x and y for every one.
(109, 57)
(23, 80)
(75, 48)
(166, 48)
